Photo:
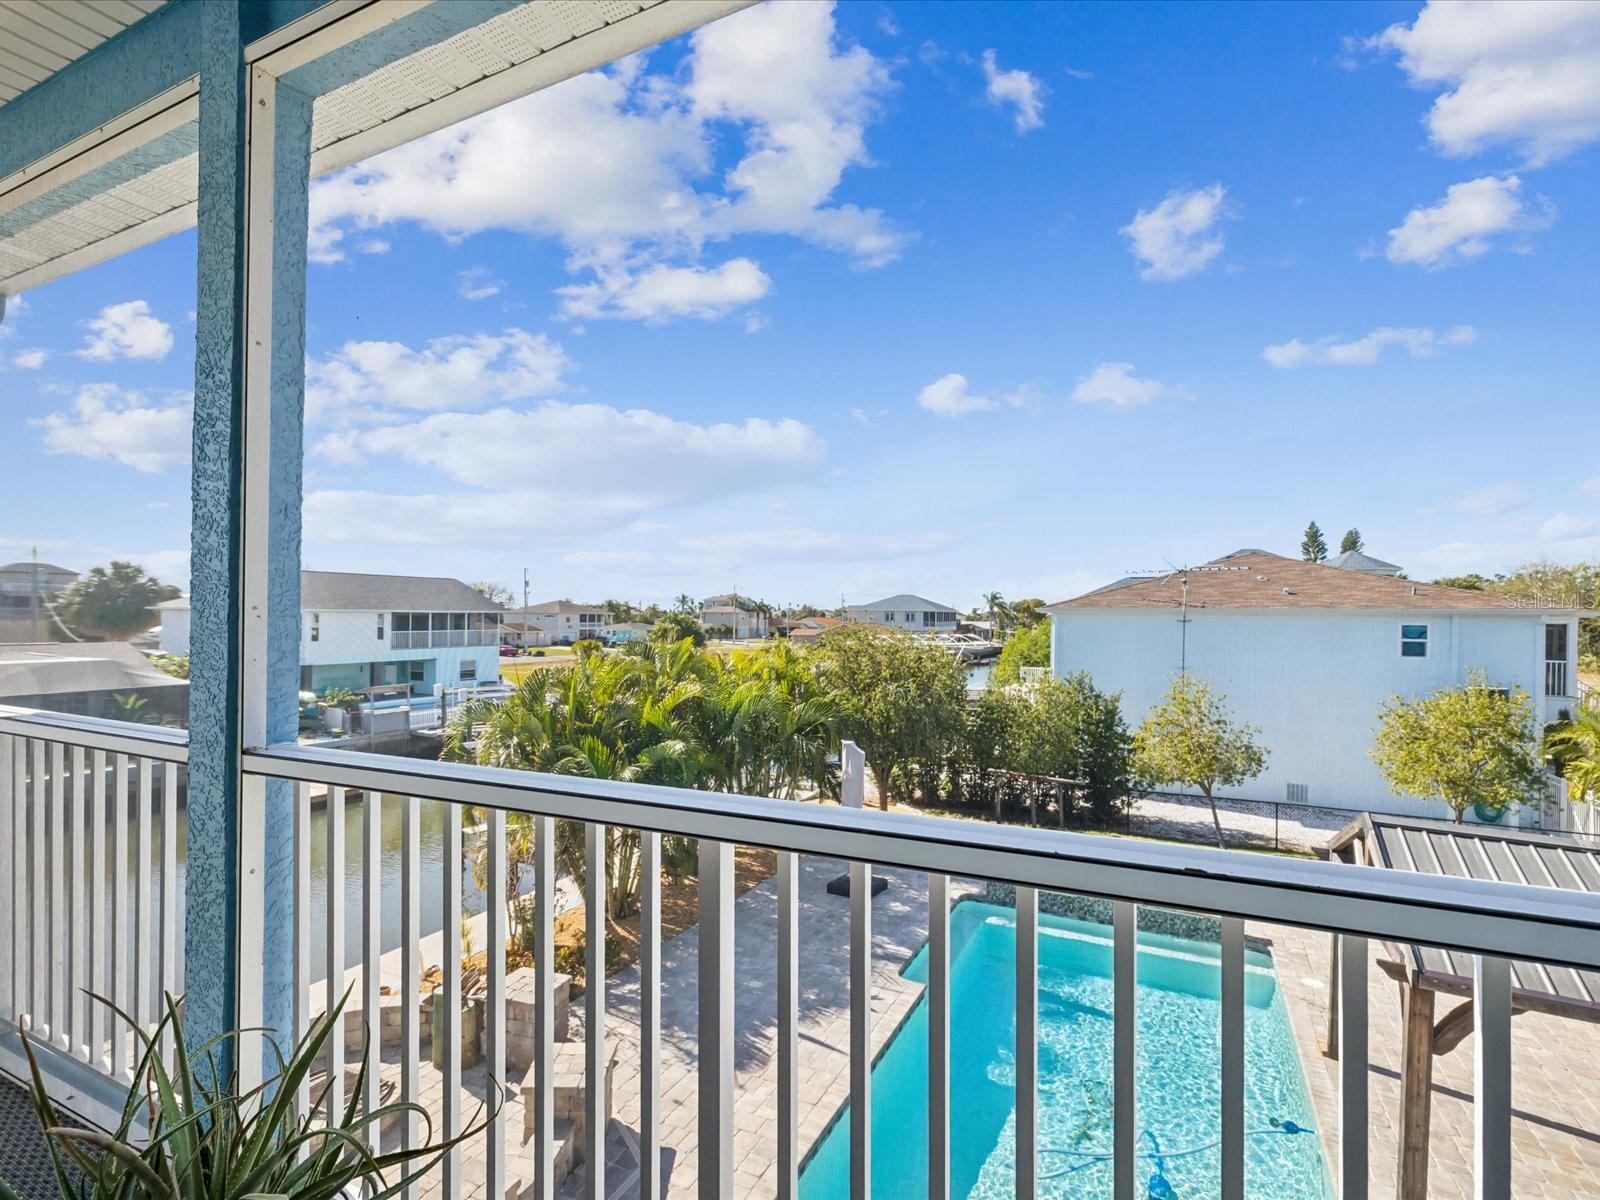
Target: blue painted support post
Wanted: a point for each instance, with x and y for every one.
(245, 547)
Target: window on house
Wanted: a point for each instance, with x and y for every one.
(418, 672)
(1413, 641)
(380, 627)
(469, 670)
(316, 626)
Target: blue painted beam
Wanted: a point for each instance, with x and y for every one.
(144, 60)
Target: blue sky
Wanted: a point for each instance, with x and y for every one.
(932, 298)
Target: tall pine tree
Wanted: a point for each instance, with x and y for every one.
(1352, 541)
(1314, 547)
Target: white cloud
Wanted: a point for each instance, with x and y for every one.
(1564, 527)
(529, 471)
(950, 396)
(30, 360)
(126, 330)
(660, 293)
(361, 379)
(1465, 223)
(1178, 237)
(477, 283)
(1490, 500)
(107, 422)
(1419, 342)
(1114, 383)
(619, 164)
(1524, 74)
(1022, 91)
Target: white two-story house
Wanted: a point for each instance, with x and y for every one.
(1308, 653)
(733, 615)
(361, 631)
(557, 622)
(911, 614)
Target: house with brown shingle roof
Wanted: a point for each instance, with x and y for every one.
(1308, 653)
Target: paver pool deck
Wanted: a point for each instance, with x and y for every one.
(1556, 1062)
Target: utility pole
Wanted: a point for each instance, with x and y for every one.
(33, 593)
(524, 591)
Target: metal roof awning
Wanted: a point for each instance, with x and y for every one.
(142, 183)
(1487, 852)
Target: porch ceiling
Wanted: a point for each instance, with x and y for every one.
(110, 205)
(39, 37)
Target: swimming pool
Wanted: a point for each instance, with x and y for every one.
(1177, 1078)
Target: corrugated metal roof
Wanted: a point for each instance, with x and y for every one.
(150, 192)
(1489, 852)
(39, 37)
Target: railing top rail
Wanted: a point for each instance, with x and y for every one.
(1509, 920)
(96, 733)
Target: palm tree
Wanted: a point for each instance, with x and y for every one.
(1577, 747)
(685, 603)
(996, 605)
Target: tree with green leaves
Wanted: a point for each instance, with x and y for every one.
(677, 625)
(112, 603)
(497, 593)
(1557, 585)
(1470, 746)
(1070, 729)
(900, 698)
(1029, 648)
(995, 604)
(1471, 582)
(1028, 612)
(1351, 542)
(1314, 547)
(1189, 739)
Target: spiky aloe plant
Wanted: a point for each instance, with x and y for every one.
(205, 1140)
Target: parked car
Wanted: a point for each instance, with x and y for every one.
(508, 651)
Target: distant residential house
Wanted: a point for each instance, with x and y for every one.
(26, 590)
(1308, 653)
(360, 631)
(1357, 560)
(810, 629)
(625, 632)
(733, 615)
(558, 622)
(911, 614)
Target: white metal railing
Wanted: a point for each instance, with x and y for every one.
(1555, 677)
(1494, 921)
(89, 890)
(121, 785)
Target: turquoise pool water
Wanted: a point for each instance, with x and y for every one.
(1179, 1090)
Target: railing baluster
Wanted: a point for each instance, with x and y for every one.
(119, 920)
(715, 955)
(450, 995)
(1352, 1067)
(78, 924)
(39, 1016)
(333, 979)
(58, 898)
(860, 1031)
(650, 1018)
(1124, 1050)
(170, 934)
(302, 932)
(99, 950)
(594, 1011)
(1027, 1049)
(10, 913)
(411, 972)
(938, 1037)
(1232, 966)
(788, 1026)
(135, 994)
(1491, 1110)
(544, 1005)
(494, 1084)
(372, 950)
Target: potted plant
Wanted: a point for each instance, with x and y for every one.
(205, 1140)
(339, 707)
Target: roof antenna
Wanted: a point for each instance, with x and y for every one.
(1183, 573)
